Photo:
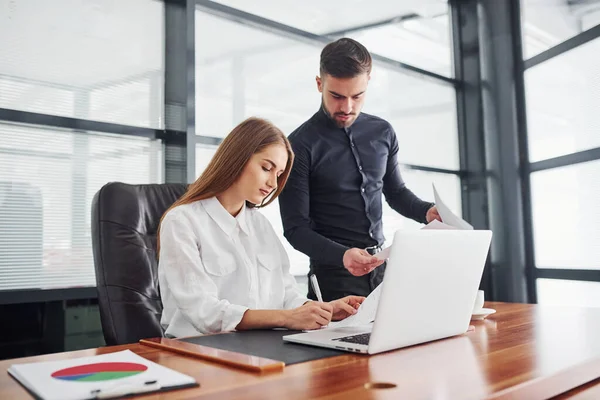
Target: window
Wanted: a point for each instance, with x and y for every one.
(97, 61)
(260, 74)
(422, 39)
(546, 23)
(420, 36)
(204, 153)
(566, 216)
(558, 292)
(70, 64)
(49, 178)
(422, 113)
(563, 99)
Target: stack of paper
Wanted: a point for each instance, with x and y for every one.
(109, 375)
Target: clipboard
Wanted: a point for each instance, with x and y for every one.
(230, 358)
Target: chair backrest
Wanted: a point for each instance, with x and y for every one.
(124, 223)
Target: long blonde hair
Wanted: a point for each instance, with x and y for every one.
(249, 137)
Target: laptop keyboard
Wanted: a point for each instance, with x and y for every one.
(363, 338)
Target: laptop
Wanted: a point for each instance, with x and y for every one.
(428, 292)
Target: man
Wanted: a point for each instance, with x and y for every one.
(331, 206)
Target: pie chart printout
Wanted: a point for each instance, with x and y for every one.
(105, 371)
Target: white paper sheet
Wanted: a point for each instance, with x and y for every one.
(448, 217)
(383, 254)
(366, 312)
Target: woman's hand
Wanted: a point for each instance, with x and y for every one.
(311, 315)
(345, 307)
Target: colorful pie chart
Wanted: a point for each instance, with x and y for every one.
(105, 371)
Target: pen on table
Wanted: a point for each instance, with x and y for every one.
(126, 389)
(315, 284)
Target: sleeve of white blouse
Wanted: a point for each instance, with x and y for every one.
(193, 290)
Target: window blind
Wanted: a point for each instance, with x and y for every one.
(99, 60)
(47, 181)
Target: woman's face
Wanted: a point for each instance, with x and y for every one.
(259, 177)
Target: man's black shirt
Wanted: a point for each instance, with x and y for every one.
(333, 198)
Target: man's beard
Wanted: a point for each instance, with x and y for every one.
(339, 124)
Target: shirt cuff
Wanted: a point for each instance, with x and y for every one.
(427, 207)
(233, 316)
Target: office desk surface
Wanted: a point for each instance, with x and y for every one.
(522, 351)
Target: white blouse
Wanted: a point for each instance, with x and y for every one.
(213, 267)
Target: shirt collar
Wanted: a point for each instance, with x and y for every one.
(221, 216)
(322, 117)
(242, 220)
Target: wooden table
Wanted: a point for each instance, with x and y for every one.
(521, 352)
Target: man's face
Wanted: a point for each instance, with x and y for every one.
(343, 98)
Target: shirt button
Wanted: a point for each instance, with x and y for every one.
(351, 143)
(362, 190)
(360, 167)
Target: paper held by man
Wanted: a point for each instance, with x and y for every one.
(450, 221)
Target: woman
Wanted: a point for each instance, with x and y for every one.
(221, 266)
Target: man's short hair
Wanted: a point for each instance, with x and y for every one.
(345, 58)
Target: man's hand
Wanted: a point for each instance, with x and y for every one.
(359, 262)
(432, 214)
(345, 307)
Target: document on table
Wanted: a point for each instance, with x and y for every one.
(103, 376)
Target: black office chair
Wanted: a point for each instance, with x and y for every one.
(124, 223)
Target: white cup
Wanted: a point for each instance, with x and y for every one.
(478, 301)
